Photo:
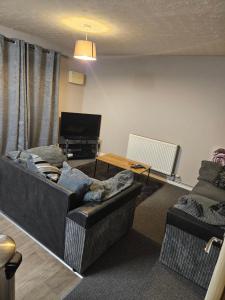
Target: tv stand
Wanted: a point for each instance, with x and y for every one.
(79, 148)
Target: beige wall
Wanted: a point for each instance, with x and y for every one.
(176, 99)
(70, 95)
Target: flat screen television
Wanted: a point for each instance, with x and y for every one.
(80, 126)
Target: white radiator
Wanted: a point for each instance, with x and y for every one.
(161, 156)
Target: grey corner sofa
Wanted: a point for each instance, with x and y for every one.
(75, 231)
(186, 237)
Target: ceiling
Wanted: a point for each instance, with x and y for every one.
(130, 27)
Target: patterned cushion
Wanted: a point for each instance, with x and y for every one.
(37, 164)
(219, 156)
(220, 180)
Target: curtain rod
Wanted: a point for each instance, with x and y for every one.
(30, 45)
(9, 40)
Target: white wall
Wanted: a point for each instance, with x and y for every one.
(175, 99)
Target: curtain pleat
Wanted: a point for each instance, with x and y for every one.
(23, 128)
(9, 94)
(29, 82)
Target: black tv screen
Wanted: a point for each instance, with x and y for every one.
(76, 125)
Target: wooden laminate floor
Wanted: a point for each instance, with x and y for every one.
(41, 275)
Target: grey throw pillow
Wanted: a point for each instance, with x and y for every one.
(52, 154)
(74, 180)
(103, 190)
(36, 164)
(220, 180)
(209, 171)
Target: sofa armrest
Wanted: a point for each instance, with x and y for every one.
(90, 213)
(188, 223)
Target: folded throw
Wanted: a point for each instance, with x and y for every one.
(214, 214)
(103, 190)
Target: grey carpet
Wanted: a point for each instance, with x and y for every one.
(130, 269)
(150, 215)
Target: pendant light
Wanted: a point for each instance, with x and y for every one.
(85, 50)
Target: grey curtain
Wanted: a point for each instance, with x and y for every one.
(29, 80)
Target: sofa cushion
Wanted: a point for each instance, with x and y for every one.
(36, 164)
(220, 180)
(52, 154)
(74, 180)
(209, 190)
(90, 213)
(103, 190)
(209, 171)
(203, 200)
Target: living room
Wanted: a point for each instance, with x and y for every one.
(159, 76)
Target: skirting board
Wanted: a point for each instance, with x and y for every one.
(181, 185)
(164, 179)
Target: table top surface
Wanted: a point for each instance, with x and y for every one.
(122, 162)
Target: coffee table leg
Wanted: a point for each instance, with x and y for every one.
(147, 179)
(96, 161)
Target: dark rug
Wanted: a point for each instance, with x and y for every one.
(103, 172)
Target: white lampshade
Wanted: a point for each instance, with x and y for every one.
(85, 50)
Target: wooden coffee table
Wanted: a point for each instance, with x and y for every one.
(122, 162)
